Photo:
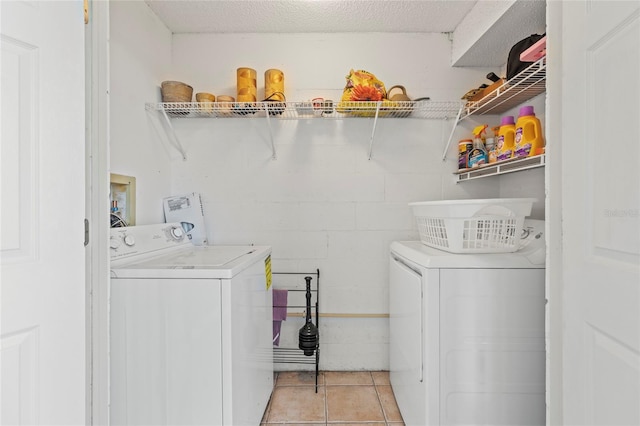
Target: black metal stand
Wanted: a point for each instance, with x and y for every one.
(282, 355)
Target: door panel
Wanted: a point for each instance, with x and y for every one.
(620, 376)
(601, 205)
(613, 226)
(19, 372)
(42, 213)
(19, 150)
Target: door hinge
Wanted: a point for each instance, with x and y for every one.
(86, 232)
(86, 11)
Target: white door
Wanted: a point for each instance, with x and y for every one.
(42, 210)
(601, 212)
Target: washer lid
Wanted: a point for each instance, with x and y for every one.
(428, 257)
(194, 262)
(205, 257)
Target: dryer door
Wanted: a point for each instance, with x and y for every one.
(406, 319)
(406, 340)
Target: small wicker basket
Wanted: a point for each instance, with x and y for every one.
(175, 91)
(205, 97)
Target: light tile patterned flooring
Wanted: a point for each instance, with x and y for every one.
(344, 398)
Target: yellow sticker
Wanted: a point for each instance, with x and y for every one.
(267, 271)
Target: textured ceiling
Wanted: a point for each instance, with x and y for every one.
(304, 16)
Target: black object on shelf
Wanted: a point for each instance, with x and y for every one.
(309, 335)
(493, 77)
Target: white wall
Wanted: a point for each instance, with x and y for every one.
(321, 203)
(140, 58)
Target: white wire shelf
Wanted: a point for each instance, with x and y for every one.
(507, 166)
(527, 84)
(306, 110)
(167, 111)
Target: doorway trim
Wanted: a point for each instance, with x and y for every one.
(97, 210)
(553, 209)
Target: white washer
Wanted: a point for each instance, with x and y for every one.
(190, 330)
(467, 334)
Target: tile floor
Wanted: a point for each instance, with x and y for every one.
(344, 398)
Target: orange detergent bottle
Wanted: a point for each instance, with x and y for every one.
(506, 138)
(528, 139)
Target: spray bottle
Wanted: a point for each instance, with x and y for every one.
(478, 155)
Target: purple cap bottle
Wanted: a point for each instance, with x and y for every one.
(507, 120)
(526, 110)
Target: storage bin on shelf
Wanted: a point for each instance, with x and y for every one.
(472, 226)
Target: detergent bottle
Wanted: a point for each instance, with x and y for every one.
(478, 154)
(528, 139)
(506, 138)
(490, 145)
(464, 147)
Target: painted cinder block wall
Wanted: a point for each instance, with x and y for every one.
(322, 203)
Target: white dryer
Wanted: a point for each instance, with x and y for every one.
(467, 334)
(191, 326)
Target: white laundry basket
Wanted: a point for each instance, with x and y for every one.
(472, 226)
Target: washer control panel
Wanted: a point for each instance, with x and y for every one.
(138, 240)
(533, 241)
(532, 234)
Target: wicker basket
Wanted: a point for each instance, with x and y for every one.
(175, 91)
(205, 97)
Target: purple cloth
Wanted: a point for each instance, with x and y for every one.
(279, 313)
(280, 305)
(276, 332)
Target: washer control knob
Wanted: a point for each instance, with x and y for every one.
(114, 243)
(177, 233)
(129, 240)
